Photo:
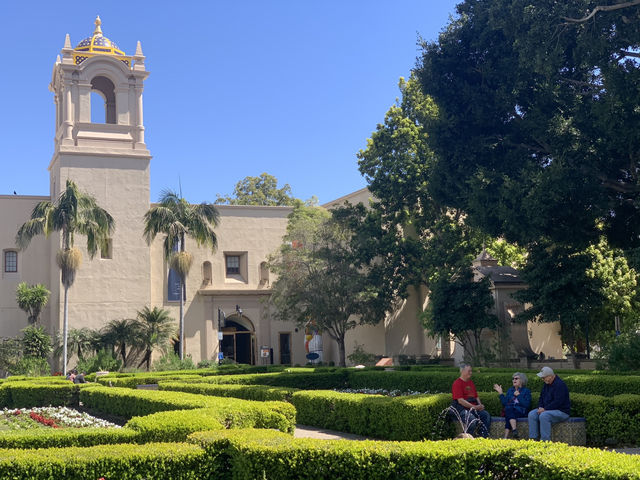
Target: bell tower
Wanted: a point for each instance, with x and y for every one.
(107, 158)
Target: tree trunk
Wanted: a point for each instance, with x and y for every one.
(65, 330)
(341, 352)
(182, 289)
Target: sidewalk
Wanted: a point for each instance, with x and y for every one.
(305, 431)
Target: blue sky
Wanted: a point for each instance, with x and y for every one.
(293, 88)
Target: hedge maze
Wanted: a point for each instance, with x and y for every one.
(235, 423)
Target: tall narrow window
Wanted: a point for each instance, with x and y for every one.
(206, 273)
(10, 261)
(233, 264)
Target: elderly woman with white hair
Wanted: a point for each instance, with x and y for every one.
(516, 402)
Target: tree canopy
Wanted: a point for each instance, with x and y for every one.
(537, 131)
(261, 190)
(321, 277)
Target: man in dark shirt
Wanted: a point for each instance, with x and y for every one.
(553, 407)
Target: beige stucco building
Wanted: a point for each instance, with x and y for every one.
(110, 160)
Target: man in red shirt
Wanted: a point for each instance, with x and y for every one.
(467, 402)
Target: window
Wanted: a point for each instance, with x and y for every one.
(10, 261)
(233, 264)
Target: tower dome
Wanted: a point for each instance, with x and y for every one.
(98, 43)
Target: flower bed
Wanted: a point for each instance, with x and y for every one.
(49, 417)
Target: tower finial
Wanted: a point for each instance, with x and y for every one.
(98, 22)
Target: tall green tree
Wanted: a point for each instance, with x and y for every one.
(560, 289)
(417, 238)
(32, 299)
(321, 277)
(72, 213)
(156, 329)
(461, 306)
(539, 126)
(261, 190)
(177, 219)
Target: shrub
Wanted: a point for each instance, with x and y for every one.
(85, 437)
(104, 360)
(267, 454)
(360, 357)
(171, 361)
(36, 342)
(622, 353)
(124, 462)
(31, 367)
(247, 392)
(20, 394)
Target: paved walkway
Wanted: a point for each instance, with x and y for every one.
(305, 431)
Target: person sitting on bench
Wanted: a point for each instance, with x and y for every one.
(554, 406)
(516, 402)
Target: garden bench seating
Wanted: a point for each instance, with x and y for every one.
(572, 432)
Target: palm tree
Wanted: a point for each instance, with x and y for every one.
(156, 329)
(123, 335)
(73, 212)
(178, 219)
(80, 341)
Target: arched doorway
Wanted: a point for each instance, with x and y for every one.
(239, 340)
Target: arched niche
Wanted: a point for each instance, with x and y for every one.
(104, 87)
(264, 274)
(207, 276)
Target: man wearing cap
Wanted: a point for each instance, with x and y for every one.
(553, 407)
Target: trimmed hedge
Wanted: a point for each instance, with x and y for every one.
(441, 381)
(123, 462)
(250, 454)
(129, 403)
(68, 437)
(246, 392)
(401, 418)
(24, 394)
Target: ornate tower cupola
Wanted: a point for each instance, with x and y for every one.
(105, 154)
(97, 65)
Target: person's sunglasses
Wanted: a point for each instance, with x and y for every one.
(516, 378)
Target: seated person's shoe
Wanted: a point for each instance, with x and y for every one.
(515, 435)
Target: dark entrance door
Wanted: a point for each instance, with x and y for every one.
(237, 343)
(285, 349)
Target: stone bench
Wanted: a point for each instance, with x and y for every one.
(573, 431)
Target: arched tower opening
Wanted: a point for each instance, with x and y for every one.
(103, 88)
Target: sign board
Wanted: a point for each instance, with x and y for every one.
(312, 356)
(265, 351)
(220, 336)
(220, 356)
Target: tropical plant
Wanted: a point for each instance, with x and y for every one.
(104, 360)
(124, 336)
(36, 342)
(32, 299)
(81, 341)
(177, 219)
(156, 329)
(74, 212)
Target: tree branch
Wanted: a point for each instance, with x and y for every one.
(602, 8)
